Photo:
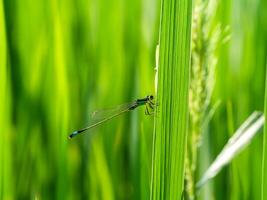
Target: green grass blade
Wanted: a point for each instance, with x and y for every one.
(171, 117)
(6, 181)
(264, 163)
(240, 139)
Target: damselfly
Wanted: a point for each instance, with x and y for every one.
(106, 115)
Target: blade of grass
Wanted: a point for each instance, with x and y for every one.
(264, 162)
(235, 144)
(171, 119)
(6, 186)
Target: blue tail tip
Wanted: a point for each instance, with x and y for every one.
(72, 134)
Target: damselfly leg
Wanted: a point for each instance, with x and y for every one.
(150, 107)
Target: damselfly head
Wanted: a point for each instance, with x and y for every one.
(150, 97)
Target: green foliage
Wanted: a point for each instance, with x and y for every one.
(68, 59)
(61, 60)
(171, 119)
(239, 140)
(6, 178)
(240, 87)
(264, 159)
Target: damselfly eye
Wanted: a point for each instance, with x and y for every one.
(150, 97)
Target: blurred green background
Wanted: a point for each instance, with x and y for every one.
(61, 60)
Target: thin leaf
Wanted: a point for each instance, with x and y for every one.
(264, 162)
(171, 119)
(235, 144)
(6, 172)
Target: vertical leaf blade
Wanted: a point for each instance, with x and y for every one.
(171, 117)
(6, 182)
(264, 163)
